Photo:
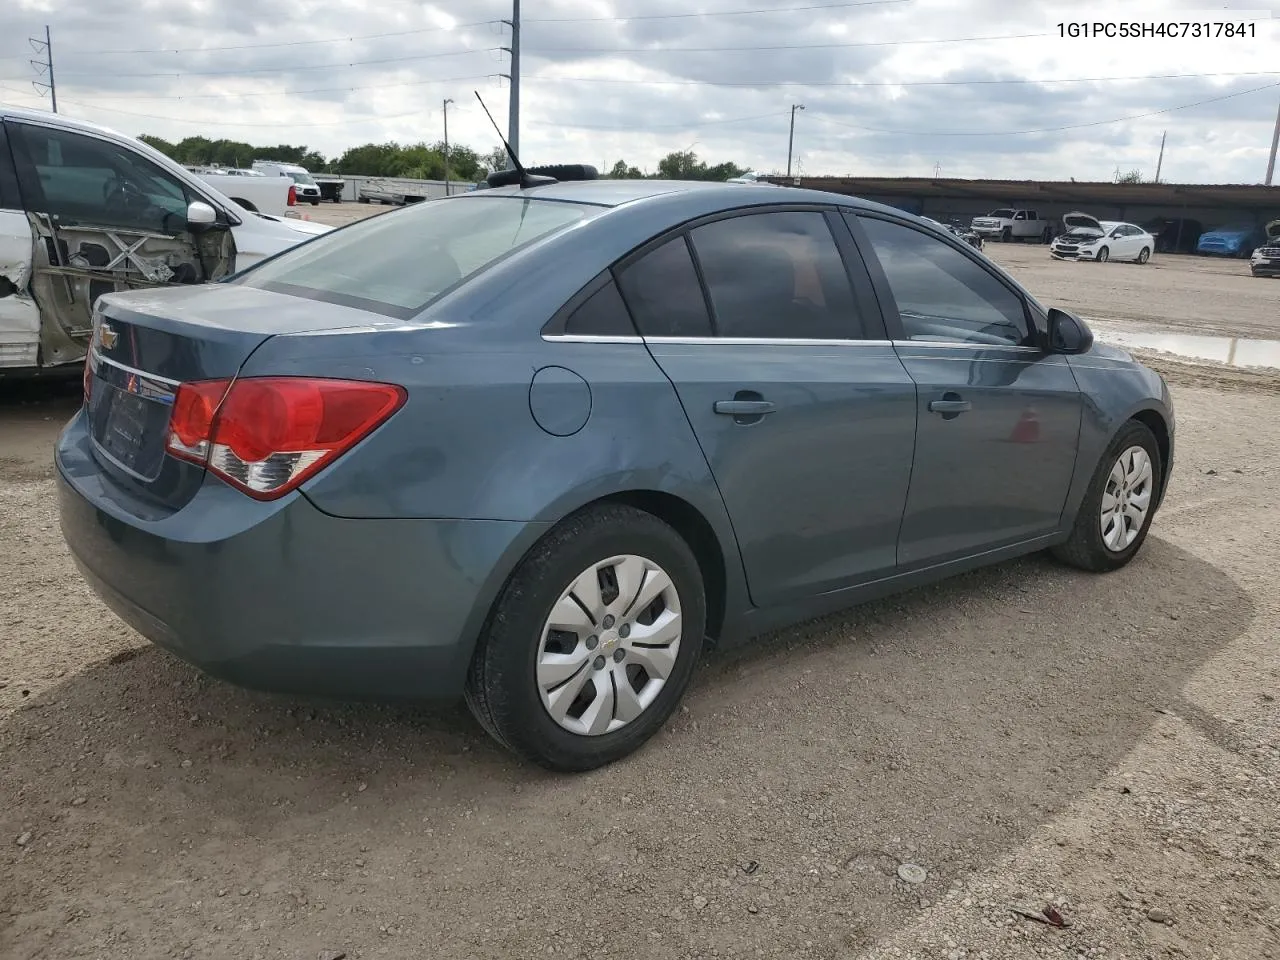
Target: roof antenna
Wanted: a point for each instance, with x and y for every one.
(506, 178)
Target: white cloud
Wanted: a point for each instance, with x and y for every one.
(596, 88)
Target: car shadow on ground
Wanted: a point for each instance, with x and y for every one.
(941, 726)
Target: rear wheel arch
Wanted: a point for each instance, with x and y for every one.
(696, 531)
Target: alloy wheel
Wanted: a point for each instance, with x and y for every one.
(1126, 499)
(609, 645)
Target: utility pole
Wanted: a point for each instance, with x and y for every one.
(45, 66)
(446, 145)
(1275, 142)
(791, 138)
(513, 104)
(1160, 162)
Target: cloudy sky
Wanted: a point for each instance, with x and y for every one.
(972, 88)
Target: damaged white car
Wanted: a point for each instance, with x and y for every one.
(86, 211)
(1088, 238)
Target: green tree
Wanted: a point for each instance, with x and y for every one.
(494, 160)
(621, 171)
(685, 165)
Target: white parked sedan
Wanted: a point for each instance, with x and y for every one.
(1088, 238)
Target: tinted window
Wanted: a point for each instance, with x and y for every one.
(941, 293)
(603, 314)
(776, 275)
(81, 179)
(398, 263)
(8, 179)
(664, 295)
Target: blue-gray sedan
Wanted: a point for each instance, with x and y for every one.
(539, 446)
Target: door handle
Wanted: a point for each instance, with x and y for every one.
(744, 408)
(950, 405)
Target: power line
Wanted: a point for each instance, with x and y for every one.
(662, 126)
(790, 46)
(1069, 126)
(847, 4)
(749, 84)
(227, 123)
(716, 13)
(224, 96)
(900, 83)
(326, 66)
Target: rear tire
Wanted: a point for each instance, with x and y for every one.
(507, 687)
(1087, 548)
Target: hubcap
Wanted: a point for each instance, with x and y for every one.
(609, 645)
(1126, 499)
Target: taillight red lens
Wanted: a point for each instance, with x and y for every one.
(191, 423)
(266, 435)
(293, 195)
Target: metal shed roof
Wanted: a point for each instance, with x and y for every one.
(1053, 191)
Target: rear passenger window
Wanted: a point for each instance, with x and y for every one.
(664, 295)
(777, 276)
(603, 314)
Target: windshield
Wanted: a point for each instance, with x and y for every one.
(397, 264)
(302, 178)
(1002, 214)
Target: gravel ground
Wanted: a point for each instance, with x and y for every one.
(1026, 735)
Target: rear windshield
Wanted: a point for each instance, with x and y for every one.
(397, 263)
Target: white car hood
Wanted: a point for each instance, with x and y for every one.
(1082, 223)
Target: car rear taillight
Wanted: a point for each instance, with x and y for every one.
(293, 195)
(266, 435)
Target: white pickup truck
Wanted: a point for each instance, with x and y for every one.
(1008, 224)
(256, 192)
(86, 211)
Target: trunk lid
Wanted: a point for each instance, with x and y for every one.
(146, 344)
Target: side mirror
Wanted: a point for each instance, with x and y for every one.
(200, 216)
(1068, 333)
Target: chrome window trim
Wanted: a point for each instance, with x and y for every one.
(590, 338)
(96, 358)
(964, 344)
(769, 341)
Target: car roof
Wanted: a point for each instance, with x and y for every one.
(61, 120)
(615, 193)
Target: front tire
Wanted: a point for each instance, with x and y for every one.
(1144, 255)
(1103, 255)
(1006, 235)
(1118, 507)
(592, 642)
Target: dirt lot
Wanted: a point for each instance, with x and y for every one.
(1026, 734)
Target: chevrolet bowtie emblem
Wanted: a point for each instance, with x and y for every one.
(107, 336)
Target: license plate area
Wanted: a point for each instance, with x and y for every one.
(129, 418)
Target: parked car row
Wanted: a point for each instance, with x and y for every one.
(85, 211)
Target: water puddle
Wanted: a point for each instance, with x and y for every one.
(1232, 351)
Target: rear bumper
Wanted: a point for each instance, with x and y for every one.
(282, 597)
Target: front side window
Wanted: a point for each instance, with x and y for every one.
(77, 178)
(397, 264)
(942, 295)
(776, 276)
